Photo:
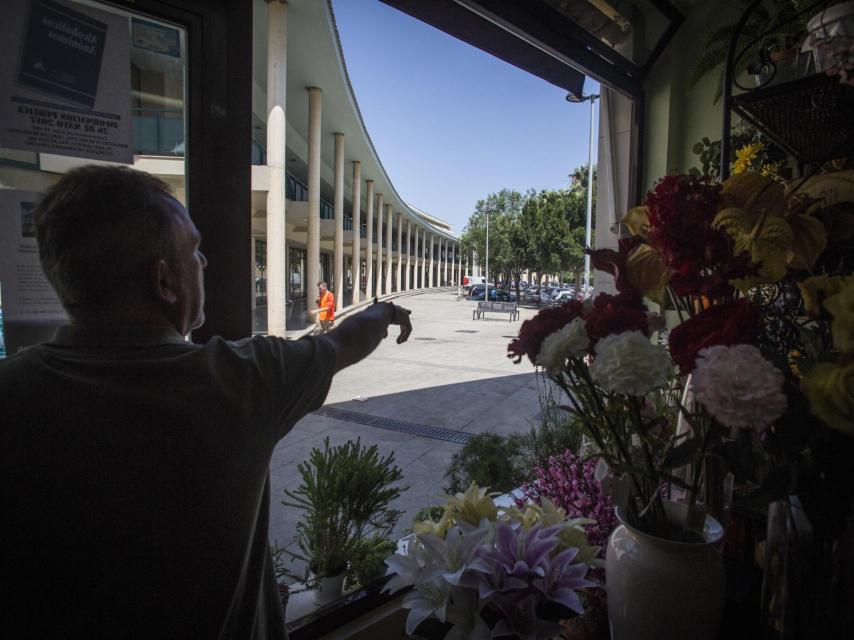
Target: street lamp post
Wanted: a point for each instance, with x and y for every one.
(486, 280)
(588, 228)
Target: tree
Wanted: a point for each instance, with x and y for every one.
(502, 208)
(542, 232)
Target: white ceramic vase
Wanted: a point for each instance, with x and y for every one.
(330, 589)
(662, 590)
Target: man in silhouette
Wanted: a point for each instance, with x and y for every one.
(134, 462)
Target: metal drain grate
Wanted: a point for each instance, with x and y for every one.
(425, 338)
(390, 424)
(466, 331)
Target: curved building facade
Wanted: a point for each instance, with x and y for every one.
(323, 206)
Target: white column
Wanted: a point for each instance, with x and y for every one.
(357, 228)
(388, 252)
(369, 240)
(406, 284)
(417, 269)
(379, 268)
(338, 203)
(432, 262)
(277, 280)
(312, 267)
(439, 261)
(423, 258)
(459, 257)
(399, 277)
(442, 253)
(445, 261)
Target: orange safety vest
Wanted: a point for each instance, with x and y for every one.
(327, 306)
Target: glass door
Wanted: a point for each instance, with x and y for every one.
(108, 86)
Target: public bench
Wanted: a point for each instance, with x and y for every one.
(495, 307)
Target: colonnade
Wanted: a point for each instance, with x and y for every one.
(432, 257)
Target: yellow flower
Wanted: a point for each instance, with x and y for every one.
(829, 387)
(473, 505)
(841, 309)
(438, 529)
(768, 240)
(745, 157)
(770, 169)
(816, 289)
(548, 514)
(637, 221)
(573, 533)
(647, 273)
(810, 239)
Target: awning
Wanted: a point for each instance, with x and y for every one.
(615, 42)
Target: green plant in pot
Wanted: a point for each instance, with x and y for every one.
(772, 33)
(366, 563)
(345, 495)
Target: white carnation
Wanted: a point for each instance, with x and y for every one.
(738, 386)
(629, 363)
(569, 342)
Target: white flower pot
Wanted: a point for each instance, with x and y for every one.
(661, 590)
(330, 589)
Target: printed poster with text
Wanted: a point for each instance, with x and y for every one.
(27, 295)
(65, 80)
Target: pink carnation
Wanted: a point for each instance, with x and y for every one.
(738, 386)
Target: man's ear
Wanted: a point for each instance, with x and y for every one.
(164, 282)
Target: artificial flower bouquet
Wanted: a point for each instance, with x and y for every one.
(622, 387)
(487, 572)
(758, 274)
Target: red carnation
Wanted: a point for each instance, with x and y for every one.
(681, 211)
(723, 324)
(616, 314)
(534, 330)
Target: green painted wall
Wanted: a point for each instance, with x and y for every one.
(678, 116)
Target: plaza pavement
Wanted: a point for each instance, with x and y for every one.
(441, 377)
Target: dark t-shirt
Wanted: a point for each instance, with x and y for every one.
(135, 482)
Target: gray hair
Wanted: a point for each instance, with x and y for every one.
(98, 227)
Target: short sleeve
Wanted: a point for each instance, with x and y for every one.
(301, 374)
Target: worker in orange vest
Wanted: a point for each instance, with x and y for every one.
(325, 307)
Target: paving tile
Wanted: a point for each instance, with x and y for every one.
(457, 381)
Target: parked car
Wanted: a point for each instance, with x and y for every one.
(502, 295)
(563, 296)
(479, 287)
(470, 281)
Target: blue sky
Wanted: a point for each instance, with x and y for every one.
(451, 123)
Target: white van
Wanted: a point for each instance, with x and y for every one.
(468, 281)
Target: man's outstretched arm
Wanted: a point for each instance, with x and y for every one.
(357, 336)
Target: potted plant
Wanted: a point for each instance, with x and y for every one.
(762, 49)
(367, 562)
(345, 494)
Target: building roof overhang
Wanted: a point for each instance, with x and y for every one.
(315, 59)
(560, 41)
